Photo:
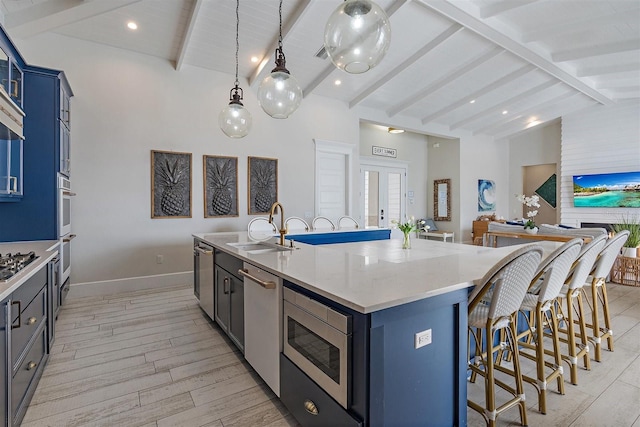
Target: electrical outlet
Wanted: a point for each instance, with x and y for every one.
(423, 338)
(159, 259)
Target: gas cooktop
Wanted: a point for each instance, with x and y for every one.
(11, 264)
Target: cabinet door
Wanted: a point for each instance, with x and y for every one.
(11, 161)
(15, 88)
(221, 300)
(65, 150)
(236, 323)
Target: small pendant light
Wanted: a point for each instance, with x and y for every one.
(357, 36)
(279, 93)
(235, 120)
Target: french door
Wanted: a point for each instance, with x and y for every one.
(382, 199)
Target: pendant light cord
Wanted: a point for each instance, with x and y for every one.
(280, 15)
(237, 40)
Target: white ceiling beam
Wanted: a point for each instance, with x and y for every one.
(53, 14)
(441, 38)
(626, 95)
(261, 70)
(599, 70)
(476, 25)
(570, 25)
(618, 83)
(502, 6)
(477, 94)
(562, 110)
(501, 105)
(182, 51)
(326, 72)
(443, 81)
(533, 110)
(590, 51)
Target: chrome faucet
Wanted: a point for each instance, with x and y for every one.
(283, 228)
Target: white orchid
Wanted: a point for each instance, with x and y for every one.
(531, 202)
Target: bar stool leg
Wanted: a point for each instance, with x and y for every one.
(583, 332)
(595, 321)
(607, 318)
(522, 405)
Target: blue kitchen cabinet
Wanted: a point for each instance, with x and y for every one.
(46, 153)
(11, 161)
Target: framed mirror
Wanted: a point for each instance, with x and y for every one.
(442, 200)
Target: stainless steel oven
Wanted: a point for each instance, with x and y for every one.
(64, 205)
(317, 339)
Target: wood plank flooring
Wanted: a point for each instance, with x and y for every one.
(148, 358)
(153, 358)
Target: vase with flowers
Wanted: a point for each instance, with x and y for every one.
(530, 202)
(406, 228)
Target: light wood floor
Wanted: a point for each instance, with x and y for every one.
(152, 358)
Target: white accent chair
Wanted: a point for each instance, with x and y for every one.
(507, 281)
(322, 223)
(347, 223)
(296, 224)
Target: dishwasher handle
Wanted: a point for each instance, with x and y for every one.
(203, 251)
(265, 284)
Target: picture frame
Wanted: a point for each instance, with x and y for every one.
(486, 195)
(262, 184)
(171, 176)
(220, 186)
(442, 200)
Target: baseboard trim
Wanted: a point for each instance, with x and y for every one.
(110, 287)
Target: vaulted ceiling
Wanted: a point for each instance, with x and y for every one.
(492, 67)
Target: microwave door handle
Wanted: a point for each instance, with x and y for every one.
(68, 193)
(68, 239)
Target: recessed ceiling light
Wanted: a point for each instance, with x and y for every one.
(395, 130)
(504, 112)
(254, 59)
(132, 25)
(338, 82)
(473, 101)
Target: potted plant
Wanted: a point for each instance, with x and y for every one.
(531, 202)
(632, 224)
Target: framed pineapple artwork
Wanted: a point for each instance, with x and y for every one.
(220, 186)
(263, 184)
(170, 184)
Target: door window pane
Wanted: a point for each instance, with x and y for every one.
(394, 189)
(371, 199)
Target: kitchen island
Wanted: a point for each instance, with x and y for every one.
(393, 296)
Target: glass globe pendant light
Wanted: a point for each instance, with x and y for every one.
(279, 93)
(235, 120)
(357, 36)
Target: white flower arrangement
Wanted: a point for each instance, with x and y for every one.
(531, 202)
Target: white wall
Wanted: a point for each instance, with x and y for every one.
(444, 163)
(412, 149)
(539, 145)
(598, 140)
(127, 104)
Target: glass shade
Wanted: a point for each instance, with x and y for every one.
(357, 36)
(279, 94)
(235, 120)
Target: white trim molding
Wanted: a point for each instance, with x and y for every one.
(128, 284)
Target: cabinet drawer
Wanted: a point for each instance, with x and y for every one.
(23, 380)
(229, 263)
(28, 291)
(296, 389)
(30, 319)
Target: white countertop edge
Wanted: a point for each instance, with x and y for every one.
(46, 251)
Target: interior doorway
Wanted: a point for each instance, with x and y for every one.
(542, 180)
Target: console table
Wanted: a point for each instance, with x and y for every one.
(626, 271)
(444, 235)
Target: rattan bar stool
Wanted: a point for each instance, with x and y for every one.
(599, 300)
(571, 308)
(539, 314)
(508, 282)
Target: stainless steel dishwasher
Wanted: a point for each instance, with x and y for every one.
(203, 280)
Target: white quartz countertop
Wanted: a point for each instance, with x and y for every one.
(46, 250)
(374, 275)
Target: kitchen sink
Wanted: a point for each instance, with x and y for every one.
(259, 247)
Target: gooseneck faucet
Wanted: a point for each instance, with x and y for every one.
(283, 228)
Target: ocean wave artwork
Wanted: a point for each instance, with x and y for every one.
(486, 195)
(611, 190)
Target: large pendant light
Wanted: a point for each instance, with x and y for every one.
(279, 93)
(235, 120)
(357, 36)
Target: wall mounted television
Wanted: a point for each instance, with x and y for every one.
(607, 190)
